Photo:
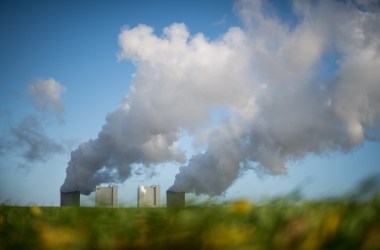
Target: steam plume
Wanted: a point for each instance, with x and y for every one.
(278, 93)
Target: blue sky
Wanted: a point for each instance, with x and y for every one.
(77, 46)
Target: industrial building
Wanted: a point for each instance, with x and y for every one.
(175, 199)
(70, 199)
(106, 196)
(148, 196)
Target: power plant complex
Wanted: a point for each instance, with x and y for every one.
(108, 197)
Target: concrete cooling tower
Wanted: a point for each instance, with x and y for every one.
(70, 199)
(106, 196)
(175, 199)
(148, 196)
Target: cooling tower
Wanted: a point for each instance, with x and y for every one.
(106, 196)
(148, 196)
(175, 199)
(70, 199)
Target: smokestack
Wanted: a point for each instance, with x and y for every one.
(175, 199)
(70, 199)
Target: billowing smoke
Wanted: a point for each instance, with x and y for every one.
(255, 98)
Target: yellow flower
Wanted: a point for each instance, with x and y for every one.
(61, 237)
(330, 225)
(241, 207)
(225, 237)
(35, 211)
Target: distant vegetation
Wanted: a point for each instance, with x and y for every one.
(278, 224)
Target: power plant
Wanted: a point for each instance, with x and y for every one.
(70, 199)
(106, 196)
(148, 196)
(175, 199)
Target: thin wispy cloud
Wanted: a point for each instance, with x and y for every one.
(47, 94)
(28, 138)
(31, 138)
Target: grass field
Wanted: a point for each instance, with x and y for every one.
(239, 225)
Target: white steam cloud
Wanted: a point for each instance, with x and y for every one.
(281, 93)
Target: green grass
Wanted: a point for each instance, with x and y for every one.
(240, 225)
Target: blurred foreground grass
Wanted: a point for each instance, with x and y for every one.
(240, 225)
